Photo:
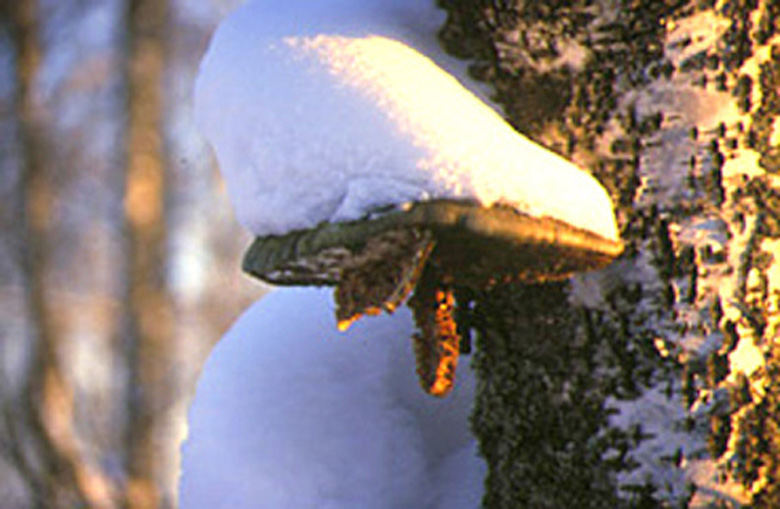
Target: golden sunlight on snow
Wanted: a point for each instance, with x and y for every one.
(422, 103)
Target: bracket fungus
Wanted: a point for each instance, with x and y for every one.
(359, 160)
(427, 250)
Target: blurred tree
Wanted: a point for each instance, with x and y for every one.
(41, 417)
(149, 327)
(96, 373)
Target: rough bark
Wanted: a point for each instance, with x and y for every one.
(651, 383)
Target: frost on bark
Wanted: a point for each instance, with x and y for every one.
(653, 382)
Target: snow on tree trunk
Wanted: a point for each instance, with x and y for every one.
(649, 383)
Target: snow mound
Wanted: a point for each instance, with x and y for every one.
(324, 111)
(291, 413)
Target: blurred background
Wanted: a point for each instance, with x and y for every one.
(119, 254)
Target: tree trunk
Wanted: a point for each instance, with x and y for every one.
(653, 382)
(148, 333)
(40, 421)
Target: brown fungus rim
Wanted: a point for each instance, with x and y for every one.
(465, 227)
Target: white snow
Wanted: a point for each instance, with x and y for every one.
(291, 413)
(324, 110)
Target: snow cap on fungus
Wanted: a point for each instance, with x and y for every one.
(319, 112)
(360, 162)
